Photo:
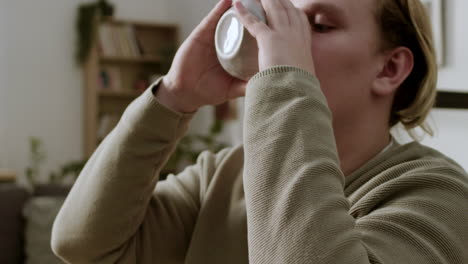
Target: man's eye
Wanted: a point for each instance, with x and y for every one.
(322, 28)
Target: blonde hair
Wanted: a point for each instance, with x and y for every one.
(406, 23)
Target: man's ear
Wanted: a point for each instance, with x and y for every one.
(397, 66)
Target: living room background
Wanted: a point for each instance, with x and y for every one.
(41, 86)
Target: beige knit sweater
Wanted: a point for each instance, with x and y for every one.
(279, 198)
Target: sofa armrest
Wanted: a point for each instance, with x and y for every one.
(12, 200)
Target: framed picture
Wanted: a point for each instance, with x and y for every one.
(435, 9)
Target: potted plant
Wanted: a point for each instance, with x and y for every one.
(58, 182)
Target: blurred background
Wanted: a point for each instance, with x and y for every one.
(68, 69)
(42, 87)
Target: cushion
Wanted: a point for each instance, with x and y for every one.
(40, 213)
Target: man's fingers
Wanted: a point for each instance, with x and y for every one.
(307, 30)
(292, 12)
(250, 21)
(275, 12)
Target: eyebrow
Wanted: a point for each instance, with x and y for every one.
(332, 9)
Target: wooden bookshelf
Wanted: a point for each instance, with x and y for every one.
(118, 64)
(129, 60)
(7, 175)
(452, 100)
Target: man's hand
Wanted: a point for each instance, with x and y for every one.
(286, 40)
(196, 77)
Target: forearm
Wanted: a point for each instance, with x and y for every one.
(296, 208)
(109, 200)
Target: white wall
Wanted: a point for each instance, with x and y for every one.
(451, 126)
(454, 74)
(150, 10)
(42, 93)
(43, 85)
(3, 109)
(189, 13)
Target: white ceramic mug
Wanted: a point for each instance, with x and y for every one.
(236, 49)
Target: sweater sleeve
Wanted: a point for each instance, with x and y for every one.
(297, 211)
(115, 213)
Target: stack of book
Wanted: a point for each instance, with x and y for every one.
(118, 40)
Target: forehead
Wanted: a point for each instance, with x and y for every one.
(344, 8)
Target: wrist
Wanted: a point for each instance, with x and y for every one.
(167, 95)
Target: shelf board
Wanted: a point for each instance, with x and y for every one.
(119, 94)
(452, 100)
(141, 23)
(122, 59)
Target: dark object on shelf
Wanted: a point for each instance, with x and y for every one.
(106, 9)
(452, 100)
(85, 22)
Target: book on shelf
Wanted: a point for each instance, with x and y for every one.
(118, 40)
(124, 42)
(134, 45)
(106, 45)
